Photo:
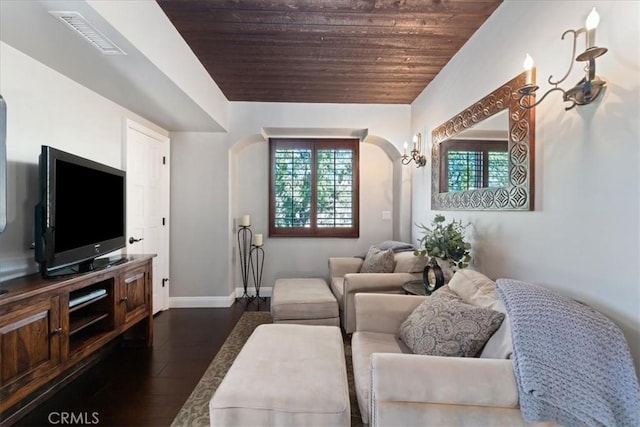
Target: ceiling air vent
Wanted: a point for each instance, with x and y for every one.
(80, 25)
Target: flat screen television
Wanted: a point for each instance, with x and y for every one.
(81, 214)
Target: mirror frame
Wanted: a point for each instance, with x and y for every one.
(519, 194)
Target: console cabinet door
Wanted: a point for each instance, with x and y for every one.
(30, 343)
(134, 296)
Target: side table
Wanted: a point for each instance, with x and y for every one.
(415, 287)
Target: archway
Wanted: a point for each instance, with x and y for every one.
(400, 185)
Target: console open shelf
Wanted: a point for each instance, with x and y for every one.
(78, 324)
(91, 310)
(78, 306)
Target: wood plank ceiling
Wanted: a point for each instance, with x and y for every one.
(326, 51)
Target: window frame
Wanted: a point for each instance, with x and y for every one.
(474, 145)
(316, 144)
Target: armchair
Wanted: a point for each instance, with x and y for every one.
(346, 281)
(395, 387)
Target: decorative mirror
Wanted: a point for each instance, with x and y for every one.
(483, 157)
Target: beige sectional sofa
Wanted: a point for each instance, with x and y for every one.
(396, 387)
(346, 280)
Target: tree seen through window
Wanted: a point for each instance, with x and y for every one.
(314, 188)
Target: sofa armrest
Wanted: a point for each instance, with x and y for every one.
(443, 380)
(339, 266)
(372, 282)
(383, 312)
(367, 282)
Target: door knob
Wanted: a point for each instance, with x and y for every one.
(132, 240)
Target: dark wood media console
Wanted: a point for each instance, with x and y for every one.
(50, 328)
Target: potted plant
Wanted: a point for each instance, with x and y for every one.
(445, 242)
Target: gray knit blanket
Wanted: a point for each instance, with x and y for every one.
(572, 364)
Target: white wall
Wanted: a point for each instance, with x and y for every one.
(46, 108)
(218, 177)
(583, 238)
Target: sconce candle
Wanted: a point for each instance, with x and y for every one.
(404, 151)
(528, 65)
(592, 23)
(245, 220)
(416, 153)
(588, 88)
(257, 240)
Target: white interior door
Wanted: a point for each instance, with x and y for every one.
(148, 204)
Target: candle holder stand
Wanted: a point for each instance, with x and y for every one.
(244, 248)
(257, 266)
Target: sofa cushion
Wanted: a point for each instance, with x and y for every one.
(440, 327)
(499, 345)
(337, 287)
(445, 292)
(363, 345)
(476, 289)
(407, 262)
(378, 261)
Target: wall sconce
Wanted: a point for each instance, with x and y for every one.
(589, 87)
(420, 159)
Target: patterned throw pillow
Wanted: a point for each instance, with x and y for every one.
(378, 261)
(445, 327)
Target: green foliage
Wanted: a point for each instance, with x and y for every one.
(466, 172)
(333, 187)
(445, 241)
(293, 188)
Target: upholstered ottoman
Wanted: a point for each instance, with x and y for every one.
(304, 301)
(288, 375)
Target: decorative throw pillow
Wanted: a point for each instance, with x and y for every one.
(440, 327)
(499, 345)
(445, 292)
(378, 261)
(476, 289)
(407, 262)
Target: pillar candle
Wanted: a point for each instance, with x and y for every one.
(528, 65)
(257, 240)
(245, 220)
(592, 23)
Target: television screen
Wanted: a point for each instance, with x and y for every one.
(81, 214)
(80, 199)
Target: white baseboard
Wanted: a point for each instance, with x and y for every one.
(214, 302)
(201, 302)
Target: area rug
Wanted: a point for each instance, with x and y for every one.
(195, 411)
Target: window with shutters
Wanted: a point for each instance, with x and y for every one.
(313, 188)
(474, 164)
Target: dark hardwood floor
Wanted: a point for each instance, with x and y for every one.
(134, 386)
